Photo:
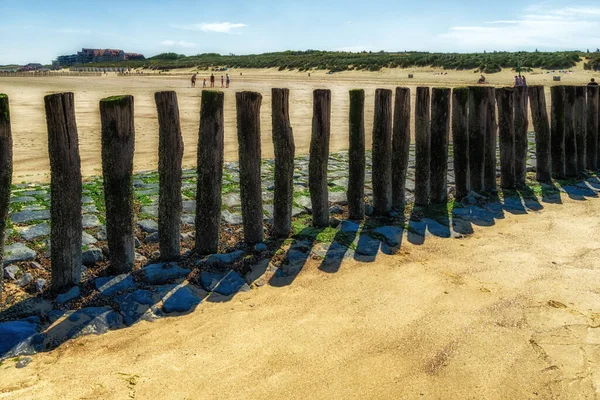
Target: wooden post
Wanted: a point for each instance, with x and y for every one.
(356, 156)
(440, 130)
(460, 141)
(570, 138)
(541, 125)
(478, 97)
(382, 152)
(170, 154)
(65, 190)
(400, 147)
(319, 157)
(118, 143)
(6, 167)
(491, 132)
(592, 128)
(580, 126)
(423, 147)
(210, 172)
(283, 144)
(557, 131)
(248, 127)
(521, 124)
(505, 98)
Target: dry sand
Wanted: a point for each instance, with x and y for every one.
(29, 124)
(511, 312)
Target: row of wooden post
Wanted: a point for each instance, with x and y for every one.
(565, 146)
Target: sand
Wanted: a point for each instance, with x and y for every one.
(510, 312)
(29, 124)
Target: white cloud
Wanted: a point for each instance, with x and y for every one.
(575, 28)
(180, 43)
(219, 27)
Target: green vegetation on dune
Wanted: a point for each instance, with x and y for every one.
(369, 61)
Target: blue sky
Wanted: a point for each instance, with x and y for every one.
(38, 31)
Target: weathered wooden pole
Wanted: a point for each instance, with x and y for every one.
(210, 172)
(580, 126)
(570, 138)
(505, 99)
(319, 157)
(521, 124)
(557, 131)
(382, 152)
(6, 167)
(423, 146)
(400, 147)
(491, 132)
(356, 156)
(65, 190)
(248, 127)
(118, 143)
(170, 154)
(283, 144)
(592, 128)
(460, 141)
(478, 97)
(440, 131)
(541, 125)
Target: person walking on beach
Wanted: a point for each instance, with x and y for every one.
(204, 83)
(212, 80)
(592, 82)
(523, 81)
(517, 81)
(222, 85)
(227, 80)
(194, 80)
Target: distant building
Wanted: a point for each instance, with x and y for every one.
(86, 56)
(32, 67)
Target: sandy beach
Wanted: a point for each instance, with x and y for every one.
(509, 312)
(29, 124)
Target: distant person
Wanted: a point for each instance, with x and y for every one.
(204, 83)
(222, 85)
(309, 74)
(593, 82)
(523, 81)
(227, 80)
(517, 80)
(194, 80)
(212, 80)
(481, 80)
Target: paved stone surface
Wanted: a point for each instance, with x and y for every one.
(90, 221)
(87, 239)
(18, 338)
(113, 284)
(134, 306)
(18, 252)
(73, 293)
(158, 274)
(23, 217)
(180, 299)
(34, 231)
(225, 283)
